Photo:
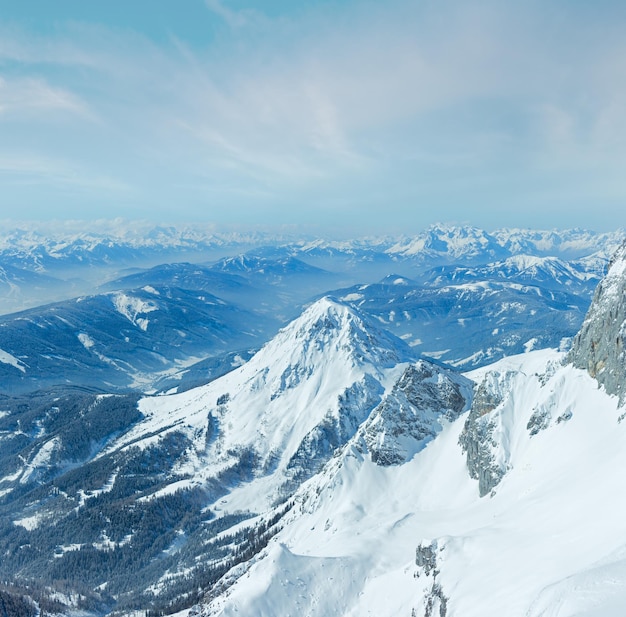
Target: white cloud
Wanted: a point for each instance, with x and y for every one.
(31, 94)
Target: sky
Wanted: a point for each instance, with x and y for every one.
(329, 114)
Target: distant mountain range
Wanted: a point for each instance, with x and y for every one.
(456, 294)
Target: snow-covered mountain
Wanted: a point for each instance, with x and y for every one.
(122, 340)
(177, 489)
(471, 322)
(470, 245)
(22, 288)
(465, 315)
(417, 539)
(567, 244)
(515, 508)
(467, 244)
(78, 257)
(283, 282)
(48, 247)
(577, 277)
(81, 257)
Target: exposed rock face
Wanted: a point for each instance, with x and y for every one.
(478, 440)
(599, 346)
(539, 421)
(435, 602)
(332, 432)
(411, 415)
(426, 557)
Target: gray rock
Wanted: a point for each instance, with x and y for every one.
(436, 602)
(426, 557)
(564, 417)
(539, 421)
(477, 439)
(599, 345)
(411, 415)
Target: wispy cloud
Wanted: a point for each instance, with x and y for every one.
(234, 18)
(35, 170)
(363, 102)
(35, 95)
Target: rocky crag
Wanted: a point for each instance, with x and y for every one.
(599, 345)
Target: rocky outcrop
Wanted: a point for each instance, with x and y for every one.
(478, 438)
(426, 557)
(435, 602)
(599, 346)
(411, 414)
(539, 421)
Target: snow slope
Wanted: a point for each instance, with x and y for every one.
(549, 541)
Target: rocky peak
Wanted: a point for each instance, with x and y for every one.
(599, 346)
(412, 414)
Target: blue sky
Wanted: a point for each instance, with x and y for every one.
(350, 115)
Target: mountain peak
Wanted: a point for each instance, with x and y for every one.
(328, 325)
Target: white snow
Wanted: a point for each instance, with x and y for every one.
(106, 488)
(550, 542)
(40, 460)
(530, 344)
(132, 307)
(353, 297)
(66, 548)
(30, 522)
(7, 358)
(86, 341)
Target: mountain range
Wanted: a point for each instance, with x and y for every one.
(442, 441)
(438, 292)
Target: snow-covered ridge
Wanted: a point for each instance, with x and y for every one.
(465, 242)
(349, 546)
(519, 504)
(302, 395)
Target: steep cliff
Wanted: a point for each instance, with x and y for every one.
(599, 346)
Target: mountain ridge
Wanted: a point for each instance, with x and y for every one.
(487, 497)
